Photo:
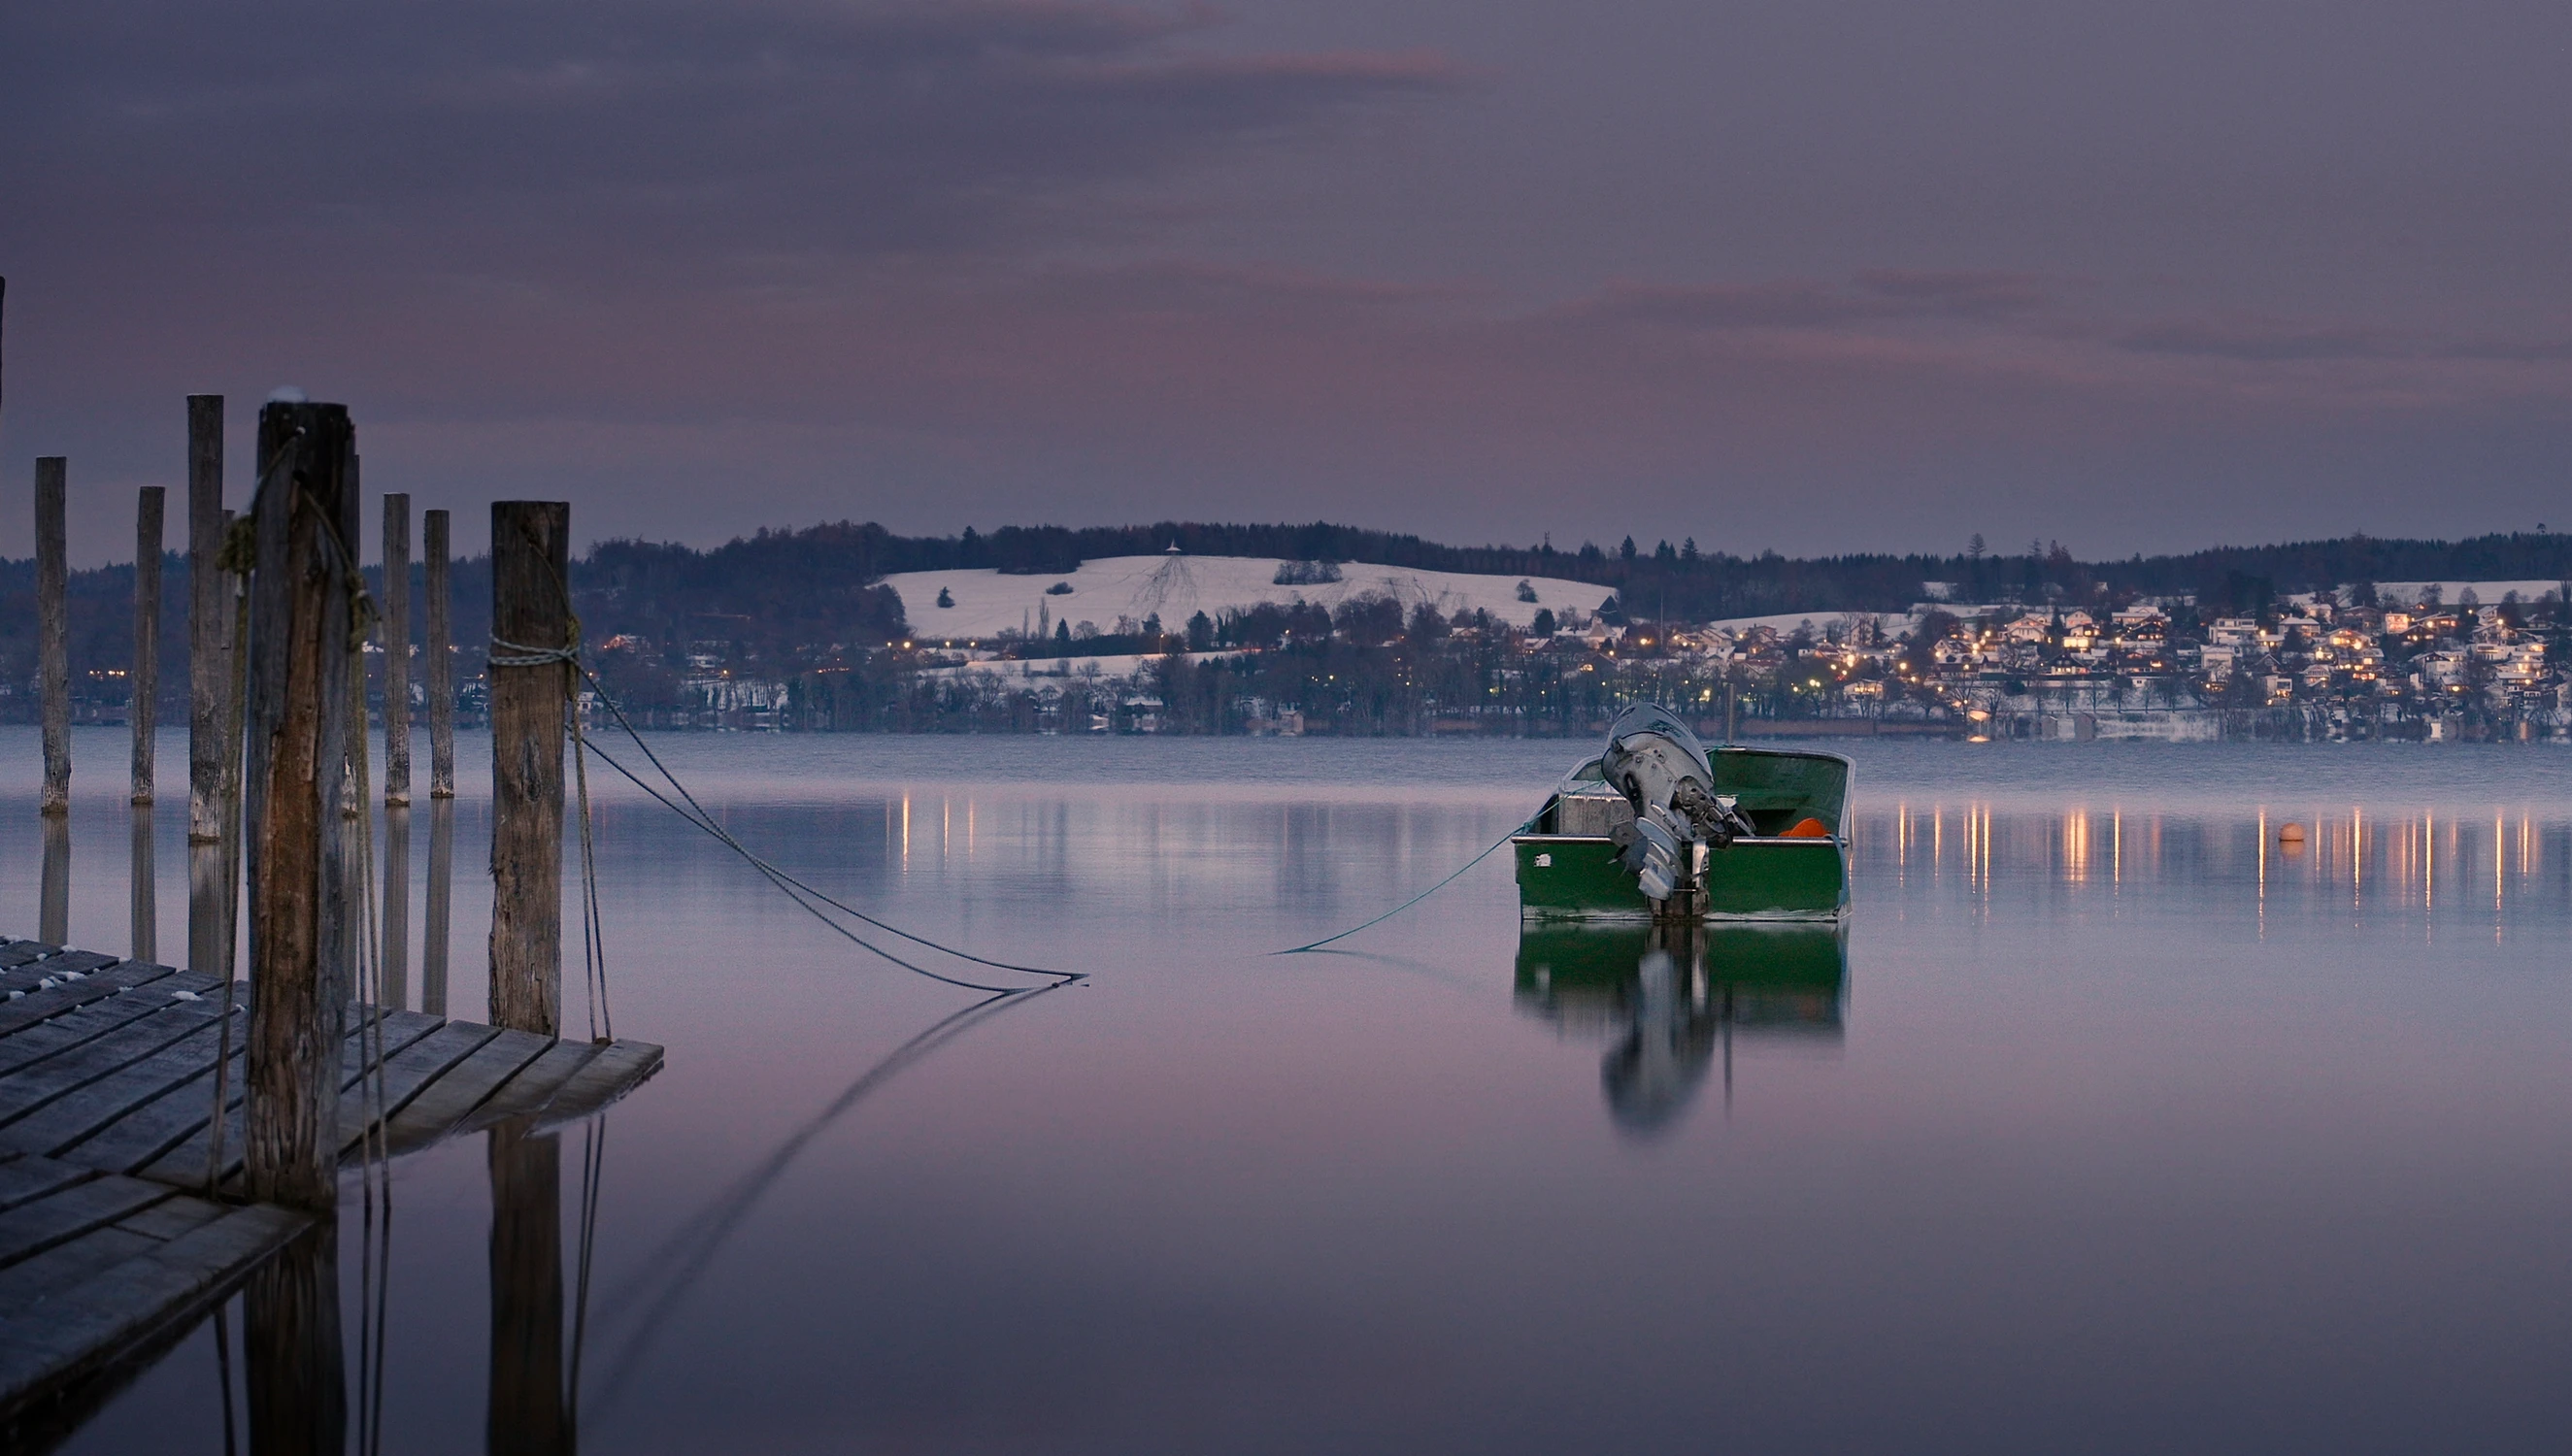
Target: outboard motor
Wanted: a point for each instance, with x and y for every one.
(1659, 764)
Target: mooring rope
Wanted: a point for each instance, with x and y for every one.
(795, 890)
(593, 925)
(697, 814)
(237, 555)
(375, 1155)
(1414, 901)
(522, 654)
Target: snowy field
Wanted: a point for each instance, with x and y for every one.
(1178, 586)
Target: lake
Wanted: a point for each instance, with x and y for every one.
(2107, 1123)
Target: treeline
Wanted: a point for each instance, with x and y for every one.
(779, 601)
(816, 575)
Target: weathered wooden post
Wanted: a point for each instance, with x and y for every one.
(143, 706)
(397, 650)
(209, 621)
(210, 920)
(54, 883)
(440, 654)
(530, 619)
(227, 779)
(299, 737)
(53, 645)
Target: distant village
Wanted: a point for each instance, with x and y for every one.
(1184, 629)
(2354, 664)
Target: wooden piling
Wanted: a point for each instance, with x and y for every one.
(530, 615)
(53, 645)
(209, 621)
(440, 654)
(54, 882)
(397, 639)
(143, 706)
(227, 779)
(298, 738)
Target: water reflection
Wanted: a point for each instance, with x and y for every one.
(1669, 997)
(396, 907)
(2435, 867)
(298, 1385)
(442, 883)
(527, 1414)
(145, 933)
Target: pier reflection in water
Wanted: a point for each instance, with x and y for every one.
(1667, 998)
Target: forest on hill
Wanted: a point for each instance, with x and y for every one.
(778, 598)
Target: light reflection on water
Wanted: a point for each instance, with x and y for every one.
(2106, 1122)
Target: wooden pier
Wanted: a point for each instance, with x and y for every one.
(107, 1085)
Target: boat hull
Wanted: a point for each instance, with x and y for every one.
(1576, 877)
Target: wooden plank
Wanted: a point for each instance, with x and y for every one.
(24, 1180)
(399, 1026)
(141, 1139)
(533, 1088)
(18, 952)
(69, 1266)
(63, 1121)
(171, 1217)
(22, 1012)
(446, 1102)
(179, 1119)
(72, 1028)
(618, 1069)
(79, 1331)
(30, 974)
(405, 1072)
(82, 962)
(68, 1213)
(28, 1087)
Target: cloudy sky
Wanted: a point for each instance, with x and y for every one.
(1837, 275)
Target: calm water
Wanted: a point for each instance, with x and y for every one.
(2108, 1125)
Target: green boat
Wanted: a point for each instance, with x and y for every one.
(1655, 828)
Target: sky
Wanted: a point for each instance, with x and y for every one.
(1832, 275)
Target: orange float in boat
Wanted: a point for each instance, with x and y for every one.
(1809, 829)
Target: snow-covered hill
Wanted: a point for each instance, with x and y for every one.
(1178, 586)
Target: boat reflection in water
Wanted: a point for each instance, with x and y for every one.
(1669, 997)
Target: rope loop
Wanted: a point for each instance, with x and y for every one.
(519, 655)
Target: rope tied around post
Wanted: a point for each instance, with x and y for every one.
(503, 653)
